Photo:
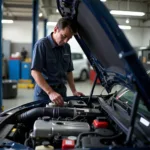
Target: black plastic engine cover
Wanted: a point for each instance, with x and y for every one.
(104, 132)
(92, 142)
(77, 104)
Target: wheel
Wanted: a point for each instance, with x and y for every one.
(83, 75)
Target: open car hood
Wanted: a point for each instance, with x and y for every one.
(106, 47)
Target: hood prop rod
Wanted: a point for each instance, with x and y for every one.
(91, 93)
(133, 118)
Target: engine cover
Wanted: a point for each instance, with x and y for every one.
(77, 104)
(45, 129)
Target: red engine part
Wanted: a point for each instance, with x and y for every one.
(100, 124)
(68, 144)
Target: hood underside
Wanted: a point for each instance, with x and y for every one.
(106, 47)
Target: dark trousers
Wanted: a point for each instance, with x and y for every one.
(39, 94)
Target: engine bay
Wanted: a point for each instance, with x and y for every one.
(76, 125)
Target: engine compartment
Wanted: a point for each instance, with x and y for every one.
(80, 123)
(76, 125)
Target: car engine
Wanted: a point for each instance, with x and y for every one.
(45, 128)
(76, 125)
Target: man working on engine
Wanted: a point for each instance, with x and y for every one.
(52, 65)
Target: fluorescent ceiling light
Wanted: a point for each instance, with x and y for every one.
(57, 11)
(40, 14)
(143, 47)
(103, 0)
(127, 13)
(7, 21)
(51, 23)
(125, 27)
(127, 20)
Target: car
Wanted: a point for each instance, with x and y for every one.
(92, 121)
(81, 68)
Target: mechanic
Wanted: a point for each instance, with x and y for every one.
(52, 65)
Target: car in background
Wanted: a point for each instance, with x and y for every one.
(80, 63)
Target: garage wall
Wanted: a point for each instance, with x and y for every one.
(146, 34)
(146, 37)
(139, 35)
(135, 36)
(20, 35)
(21, 32)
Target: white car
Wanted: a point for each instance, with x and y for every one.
(81, 69)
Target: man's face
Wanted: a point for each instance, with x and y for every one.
(62, 35)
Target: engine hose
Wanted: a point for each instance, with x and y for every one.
(94, 133)
(33, 114)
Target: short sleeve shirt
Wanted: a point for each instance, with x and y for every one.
(53, 61)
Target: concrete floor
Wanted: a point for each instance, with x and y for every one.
(26, 95)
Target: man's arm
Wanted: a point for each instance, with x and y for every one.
(54, 96)
(72, 85)
(41, 81)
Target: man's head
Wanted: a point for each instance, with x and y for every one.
(64, 30)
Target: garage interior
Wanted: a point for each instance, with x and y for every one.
(26, 21)
(43, 77)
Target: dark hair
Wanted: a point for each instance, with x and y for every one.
(67, 22)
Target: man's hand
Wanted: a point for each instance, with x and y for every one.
(56, 98)
(78, 93)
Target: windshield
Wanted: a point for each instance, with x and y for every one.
(127, 96)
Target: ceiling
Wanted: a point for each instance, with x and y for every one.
(22, 9)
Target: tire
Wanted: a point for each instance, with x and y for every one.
(83, 75)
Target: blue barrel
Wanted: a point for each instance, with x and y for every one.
(14, 67)
(25, 70)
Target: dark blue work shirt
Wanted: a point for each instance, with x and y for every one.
(52, 61)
